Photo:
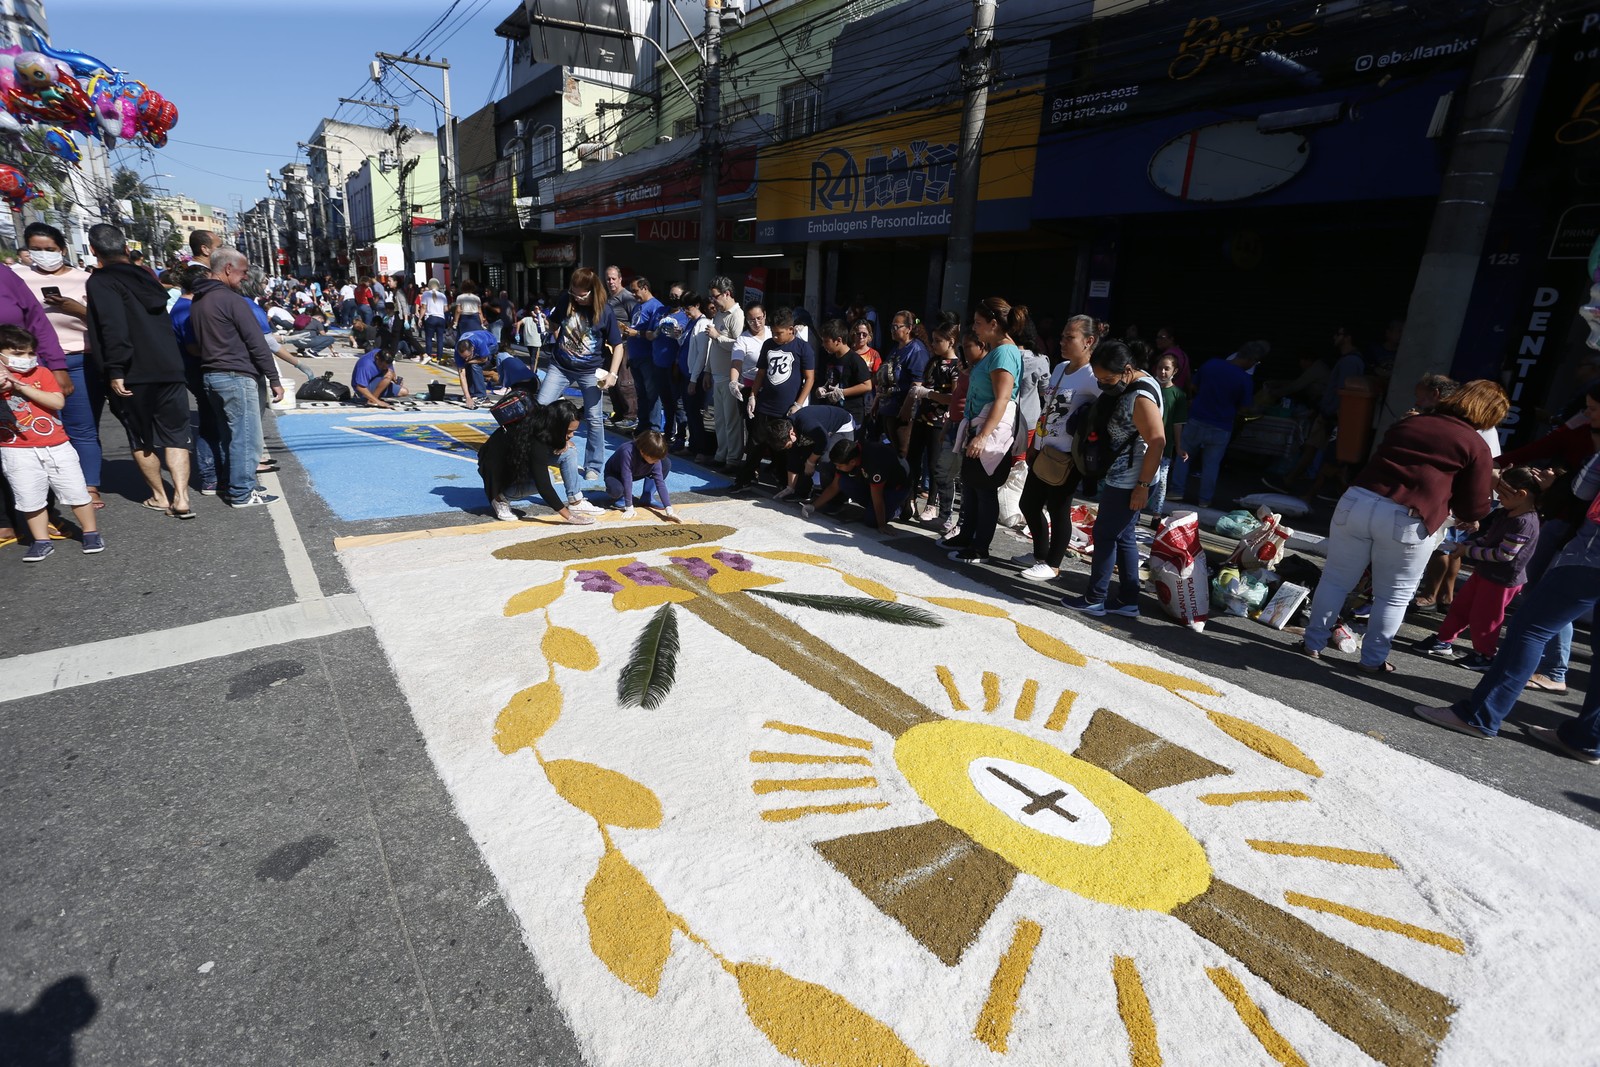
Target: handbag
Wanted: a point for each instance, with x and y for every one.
(516, 406)
(1052, 465)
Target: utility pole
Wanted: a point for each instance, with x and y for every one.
(1487, 119)
(976, 68)
(448, 200)
(710, 142)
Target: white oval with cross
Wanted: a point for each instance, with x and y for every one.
(1039, 800)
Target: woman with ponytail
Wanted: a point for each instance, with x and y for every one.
(987, 439)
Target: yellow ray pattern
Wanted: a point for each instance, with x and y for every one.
(1350, 857)
(1134, 1007)
(802, 757)
(1374, 921)
(1026, 700)
(811, 785)
(994, 1021)
(790, 814)
(1254, 1019)
(991, 691)
(1274, 747)
(1063, 708)
(1265, 796)
(820, 735)
(948, 680)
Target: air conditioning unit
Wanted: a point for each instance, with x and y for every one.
(596, 152)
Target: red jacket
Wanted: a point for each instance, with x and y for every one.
(1435, 465)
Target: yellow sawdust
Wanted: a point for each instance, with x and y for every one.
(802, 757)
(991, 691)
(790, 814)
(1026, 700)
(810, 785)
(814, 1025)
(569, 648)
(1350, 857)
(1046, 645)
(948, 680)
(1275, 747)
(540, 596)
(606, 796)
(1374, 921)
(1063, 708)
(871, 588)
(971, 607)
(1165, 679)
(994, 1022)
(1265, 796)
(629, 928)
(821, 735)
(1134, 1007)
(1254, 1019)
(526, 717)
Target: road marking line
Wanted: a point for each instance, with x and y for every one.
(302, 575)
(121, 657)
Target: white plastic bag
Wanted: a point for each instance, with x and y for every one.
(1011, 497)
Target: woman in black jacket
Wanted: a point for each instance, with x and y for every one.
(518, 457)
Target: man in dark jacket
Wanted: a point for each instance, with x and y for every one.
(234, 362)
(131, 334)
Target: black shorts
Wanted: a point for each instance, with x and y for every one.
(157, 415)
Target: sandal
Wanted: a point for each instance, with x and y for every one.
(153, 506)
(1422, 604)
(185, 513)
(1383, 668)
(94, 498)
(8, 540)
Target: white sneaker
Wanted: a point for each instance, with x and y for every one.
(1026, 559)
(584, 507)
(929, 513)
(503, 512)
(1040, 572)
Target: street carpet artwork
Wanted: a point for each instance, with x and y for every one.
(762, 793)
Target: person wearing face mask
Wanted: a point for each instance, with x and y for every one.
(588, 353)
(62, 289)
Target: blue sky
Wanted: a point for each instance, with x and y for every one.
(252, 77)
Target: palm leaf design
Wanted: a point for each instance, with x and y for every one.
(882, 610)
(653, 666)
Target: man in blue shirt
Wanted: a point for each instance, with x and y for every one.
(640, 334)
(474, 351)
(1225, 387)
(670, 350)
(374, 382)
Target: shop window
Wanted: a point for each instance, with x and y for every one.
(742, 108)
(801, 106)
(685, 126)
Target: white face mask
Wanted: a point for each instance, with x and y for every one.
(21, 364)
(46, 262)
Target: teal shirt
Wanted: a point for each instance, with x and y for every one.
(980, 393)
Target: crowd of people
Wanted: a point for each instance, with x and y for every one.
(927, 423)
(909, 422)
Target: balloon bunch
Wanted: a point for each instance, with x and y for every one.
(74, 92)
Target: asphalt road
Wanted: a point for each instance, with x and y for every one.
(224, 842)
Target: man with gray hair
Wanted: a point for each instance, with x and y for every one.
(234, 357)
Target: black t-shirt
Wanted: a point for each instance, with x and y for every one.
(846, 372)
(785, 367)
(883, 465)
(815, 423)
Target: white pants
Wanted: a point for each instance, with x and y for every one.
(33, 472)
(730, 412)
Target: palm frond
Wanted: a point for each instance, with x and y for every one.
(864, 607)
(653, 666)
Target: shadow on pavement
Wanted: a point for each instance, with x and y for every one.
(41, 1035)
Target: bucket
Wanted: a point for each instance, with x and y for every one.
(435, 390)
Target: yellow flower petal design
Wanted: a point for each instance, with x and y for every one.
(606, 796)
(526, 717)
(629, 928)
(1277, 748)
(1046, 645)
(639, 597)
(569, 648)
(792, 557)
(971, 607)
(814, 1025)
(540, 596)
(871, 588)
(1166, 679)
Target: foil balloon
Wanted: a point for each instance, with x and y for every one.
(61, 145)
(157, 115)
(45, 91)
(114, 105)
(81, 63)
(15, 187)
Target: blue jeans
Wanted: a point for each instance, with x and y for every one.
(433, 327)
(1370, 531)
(81, 419)
(475, 383)
(236, 403)
(1207, 444)
(1562, 596)
(555, 384)
(347, 313)
(1115, 544)
(647, 389)
(1158, 488)
(1557, 655)
(364, 313)
(207, 438)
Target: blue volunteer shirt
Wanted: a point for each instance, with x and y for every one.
(1224, 389)
(483, 343)
(672, 336)
(367, 375)
(583, 344)
(646, 316)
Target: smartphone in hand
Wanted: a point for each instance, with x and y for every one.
(51, 290)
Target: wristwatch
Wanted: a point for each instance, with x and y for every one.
(1141, 485)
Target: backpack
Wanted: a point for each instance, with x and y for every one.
(323, 388)
(1092, 452)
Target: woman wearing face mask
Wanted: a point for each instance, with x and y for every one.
(60, 287)
(1070, 386)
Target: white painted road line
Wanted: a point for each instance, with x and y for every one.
(120, 657)
(302, 575)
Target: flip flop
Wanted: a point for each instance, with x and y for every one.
(7, 542)
(186, 513)
(1384, 668)
(153, 506)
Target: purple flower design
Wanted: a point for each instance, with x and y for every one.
(698, 569)
(597, 582)
(643, 574)
(732, 559)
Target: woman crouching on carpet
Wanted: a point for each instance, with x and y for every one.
(518, 457)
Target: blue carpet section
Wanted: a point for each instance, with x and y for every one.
(391, 466)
